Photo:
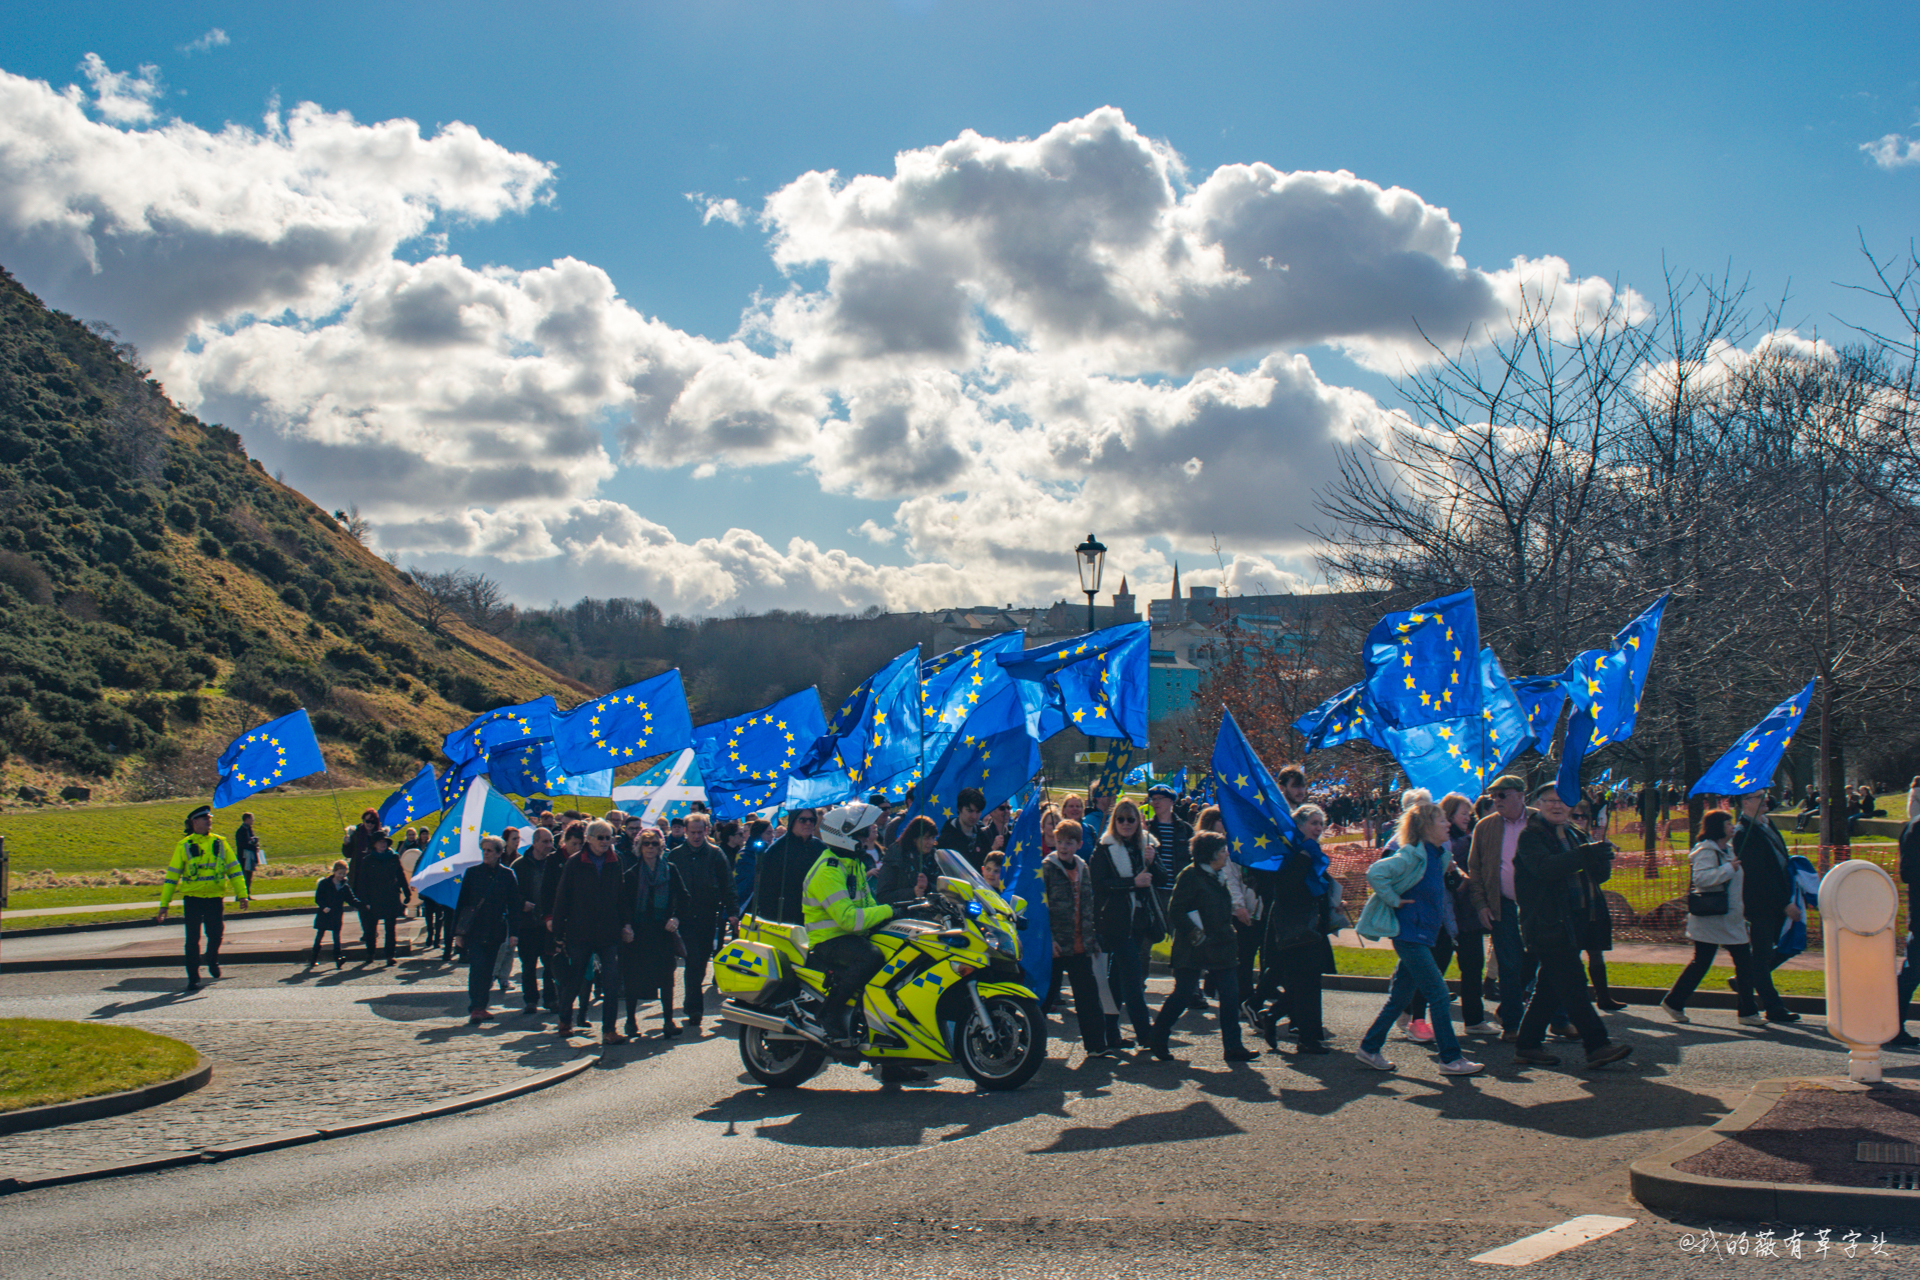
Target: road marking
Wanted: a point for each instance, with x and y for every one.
(1544, 1244)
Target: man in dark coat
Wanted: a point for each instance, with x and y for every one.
(483, 915)
(591, 917)
(780, 872)
(539, 875)
(357, 843)
(384, 891)
(1546, 883)
(1909, 976)
(247, 845)
(1766, 894)
(708, 879)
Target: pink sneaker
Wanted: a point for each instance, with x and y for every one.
(1421, 1031)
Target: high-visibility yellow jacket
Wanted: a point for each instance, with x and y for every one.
(203, 867)
(836, 901)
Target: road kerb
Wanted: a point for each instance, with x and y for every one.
(1656, 1184)
(297, 1137)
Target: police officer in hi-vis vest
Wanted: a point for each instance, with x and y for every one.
(203, 871)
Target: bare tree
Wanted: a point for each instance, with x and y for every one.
(356, 525)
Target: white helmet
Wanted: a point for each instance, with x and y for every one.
(845, 827)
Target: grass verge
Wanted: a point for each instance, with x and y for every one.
(1378, 963)
(43, 1061)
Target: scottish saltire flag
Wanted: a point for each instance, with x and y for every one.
(1342, 718)
(1420, 662)
(1259, 824)
(626, 726)
(277, 752)
(873, 742)
(993, 752)
(1463, 753)
(499, 727)
(1749, 763)
(667, 790)
(745, 760)
(1542, 697)
(1140, 775)
(1101, 678)
(954, 683)
(412, 802)
(1024, 879)
(478, 810)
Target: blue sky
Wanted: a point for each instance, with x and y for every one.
(1707, 137)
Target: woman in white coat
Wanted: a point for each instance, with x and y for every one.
(1717, 882)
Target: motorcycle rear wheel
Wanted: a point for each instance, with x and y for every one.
(779, 1064)
(1008, 1061)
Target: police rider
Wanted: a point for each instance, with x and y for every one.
(839, 910)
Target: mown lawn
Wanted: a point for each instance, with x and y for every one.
(1378, 963)
(295, 827)
(43, 1062)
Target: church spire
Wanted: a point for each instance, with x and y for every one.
(1176, 580)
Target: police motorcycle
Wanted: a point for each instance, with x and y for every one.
(951, 990)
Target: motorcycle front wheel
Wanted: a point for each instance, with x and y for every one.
(1005, 1054)
(779, 1064)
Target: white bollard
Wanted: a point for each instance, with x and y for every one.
(1858, 904)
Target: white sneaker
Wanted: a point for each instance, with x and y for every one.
(1461, 1067)
(1673, 1013)
(1752, 1020)
(1378, 1061)
(1483, 1029)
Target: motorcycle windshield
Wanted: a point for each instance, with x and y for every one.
(952, 864)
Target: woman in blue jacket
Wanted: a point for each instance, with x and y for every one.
(1408, 905)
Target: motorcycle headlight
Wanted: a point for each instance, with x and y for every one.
(1001, 940)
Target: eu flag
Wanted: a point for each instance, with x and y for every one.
(1603, 689)
(1101, 678)
(1342, 718)
(1461, 754)
(1259, 824)
(1542, 697)
(455, 847)
(645, 719)
(501, 726)
(745, 760)
(993, 752)
(517, 769)
(1113, 773)
(871, 744)
(1140, 775)
(1751, 760)
(1024, 879)
(412, 802)
(455, 779)
(954, 683)
(1420, 662)
(277, 752)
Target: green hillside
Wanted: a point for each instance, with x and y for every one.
(159, 592)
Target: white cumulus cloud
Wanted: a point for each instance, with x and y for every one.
(1893, 150)
(1010, 342)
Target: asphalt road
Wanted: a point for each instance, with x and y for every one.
(667, 1161)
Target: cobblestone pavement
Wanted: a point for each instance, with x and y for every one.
(290, 1054)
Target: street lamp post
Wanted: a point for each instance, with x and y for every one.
(1090, 555)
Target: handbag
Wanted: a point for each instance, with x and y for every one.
(1707, 902)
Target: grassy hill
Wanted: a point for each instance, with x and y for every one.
(159, 593)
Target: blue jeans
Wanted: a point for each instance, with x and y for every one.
(1417, 972)
(1128, 983)
(1516, 966)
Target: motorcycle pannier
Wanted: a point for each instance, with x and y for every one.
(747, 970)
